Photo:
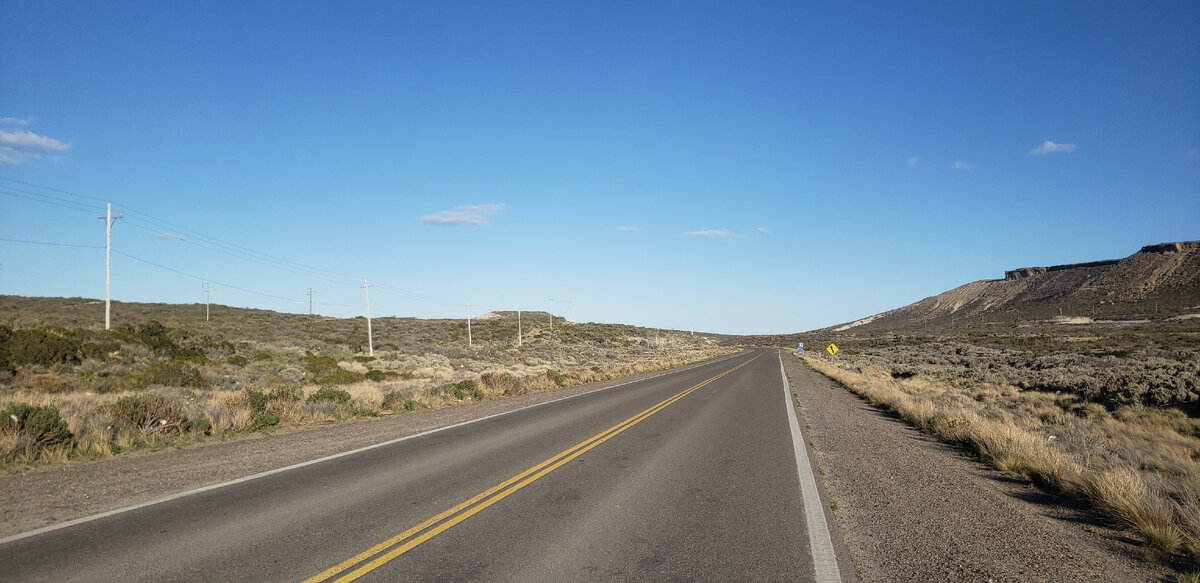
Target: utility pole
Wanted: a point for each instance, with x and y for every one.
(518, 328)
(551, 317)
(207, 299)
(370, 340)
(570, 311)
(310, 294)
(108, 221)
(469, 343)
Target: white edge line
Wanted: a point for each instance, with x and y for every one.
(825, 566)
(70, 523)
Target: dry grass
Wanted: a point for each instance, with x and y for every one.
(264, 379)
(1138, 466)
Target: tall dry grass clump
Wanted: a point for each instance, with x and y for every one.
(1139, 466)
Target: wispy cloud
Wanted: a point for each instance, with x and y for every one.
(713, 233)
(912, 160)
(627, 228)
(1049, 147)
(960, 165)
(16, 121)
(472, 215)
(763, 230)
(20, 146)
(168, 237)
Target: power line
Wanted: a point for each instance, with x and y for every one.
(26, 241)
(193, 276)
(155, 225)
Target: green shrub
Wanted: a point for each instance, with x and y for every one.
(260, 356)
(262, 421)
(326, 371)
(330, 394)
(148, 413)
(174, 374)
(237, 360)
(41, 346)
(42, 425)
(339, 376)
(393, 398)
(469, 386)
(257, 400)
(364, 359)
(380, 375)
(319, 364)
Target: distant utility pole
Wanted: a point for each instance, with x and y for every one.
(469, 343)
(310, 294)
(551, 300)
(570, 311)
(207, 299)
(108, 221)
(518, 328)
(370, 340)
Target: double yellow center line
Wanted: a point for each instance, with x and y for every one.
(391, 548)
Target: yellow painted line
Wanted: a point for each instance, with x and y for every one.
(477, 503)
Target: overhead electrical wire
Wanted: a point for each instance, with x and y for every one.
(156, 226)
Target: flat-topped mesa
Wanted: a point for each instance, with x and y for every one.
(1171, 247)
(1177, 247)
(1028, 271)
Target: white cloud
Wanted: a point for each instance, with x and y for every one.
(1049, 147)
(16, 121)
(471, 215)
(20, 146)
(960, 165)
(168, 236)
(714, 233)
(763, 230)
(627, 228)
(912, 160)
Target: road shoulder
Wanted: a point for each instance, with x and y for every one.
(53, 494)
(910, 508)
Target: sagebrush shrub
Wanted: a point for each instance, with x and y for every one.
(330, 394)
(148, 413)
(42, 425)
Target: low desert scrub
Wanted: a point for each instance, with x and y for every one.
(1139, 466)
(165, 375)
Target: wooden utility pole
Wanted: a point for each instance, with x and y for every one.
(518, 328)
(551, 300)
(370, 340)
(108, 221)
(469, 343)
(207, 299)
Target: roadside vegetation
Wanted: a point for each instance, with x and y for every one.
(1105, 415)
(163, 376)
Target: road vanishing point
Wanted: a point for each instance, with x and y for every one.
(698, 474)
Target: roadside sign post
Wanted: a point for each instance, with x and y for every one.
(832, 349)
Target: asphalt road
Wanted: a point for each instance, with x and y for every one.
(687, 476)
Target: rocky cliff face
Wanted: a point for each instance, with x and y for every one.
(1159, 281)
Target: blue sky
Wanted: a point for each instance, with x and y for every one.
(732, 167)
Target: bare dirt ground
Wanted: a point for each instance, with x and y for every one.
(51, 494)
(910, 508)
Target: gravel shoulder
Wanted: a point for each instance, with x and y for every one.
(910, 508)
(51, 494)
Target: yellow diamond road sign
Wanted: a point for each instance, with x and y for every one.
(831, 349)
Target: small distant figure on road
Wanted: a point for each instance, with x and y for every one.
(800, 348)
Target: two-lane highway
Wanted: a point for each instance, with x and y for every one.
(691, 475)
